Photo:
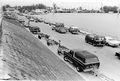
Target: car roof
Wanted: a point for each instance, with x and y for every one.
(35, 27)
(84, 53)
(108, 37)
(94, 35)
(74, 27)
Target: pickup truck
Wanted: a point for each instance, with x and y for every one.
(82, 59)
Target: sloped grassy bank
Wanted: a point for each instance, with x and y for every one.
(27, 58)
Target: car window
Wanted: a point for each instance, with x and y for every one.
(91, 60)
(78, 57)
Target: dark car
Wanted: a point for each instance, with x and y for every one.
(117, 54)
(38, 20)
(82, 59)
(51, 42)
(60, 29)
(95, 40)
(21, 21)
(34, 29)
(7, 16)
(40, 35)
(74, 30)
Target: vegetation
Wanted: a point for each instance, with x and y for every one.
(28, 8)
(113, 9)
(105, 9)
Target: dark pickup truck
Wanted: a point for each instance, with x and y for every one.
(82, 59)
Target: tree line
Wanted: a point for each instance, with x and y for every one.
(29, 8)
(107, 9)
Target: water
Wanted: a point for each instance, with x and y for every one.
(107, 24)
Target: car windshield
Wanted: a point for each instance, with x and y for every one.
(91, 60)
(100, 38)
(111, 39)
(61, 28)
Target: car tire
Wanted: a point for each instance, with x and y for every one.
(48, 44)
(107, 44)
(59, 52)
(79, 69)
(86, 41)
(94, 45)
(65, 59)
(52, 28)
(39, 37)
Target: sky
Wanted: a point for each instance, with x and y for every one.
(63, 3)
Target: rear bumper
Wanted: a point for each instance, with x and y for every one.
(91, 69)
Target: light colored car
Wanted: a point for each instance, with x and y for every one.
(74, 30)
(112, 42)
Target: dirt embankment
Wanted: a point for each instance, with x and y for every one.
(27, 58)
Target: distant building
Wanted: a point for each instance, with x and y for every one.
(40, 11)
(12, 10)
(110, 12)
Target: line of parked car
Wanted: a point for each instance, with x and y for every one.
(81, 59)
(93, 39)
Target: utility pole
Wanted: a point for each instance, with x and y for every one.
(118, 9)
(102, 8)
(54, 7)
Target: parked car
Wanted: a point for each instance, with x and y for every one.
(60, 29)
(7, 16)
(117, 54)
(31, 20)
(51, 42)
(74, 30)
(40, 35)
(52, 23)
(38, 20)
(26, 25)
(28, 17)
(112, 42)
(59, 25)
(82, 59)
(46, 22)
(95, 40)
(34, 29)
(22, 21)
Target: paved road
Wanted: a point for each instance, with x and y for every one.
(110, 65)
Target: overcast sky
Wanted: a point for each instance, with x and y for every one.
(60, 2)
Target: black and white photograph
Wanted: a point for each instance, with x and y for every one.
(60, 40)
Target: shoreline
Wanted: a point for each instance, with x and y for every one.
(83, 30)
